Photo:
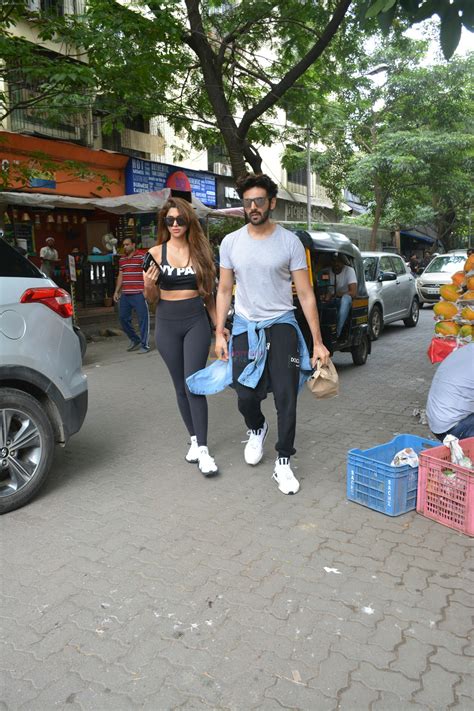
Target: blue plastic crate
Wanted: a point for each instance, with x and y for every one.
(372, 482)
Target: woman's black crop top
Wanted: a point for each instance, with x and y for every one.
(175, 278)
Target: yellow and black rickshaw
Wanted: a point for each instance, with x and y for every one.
(321, 248)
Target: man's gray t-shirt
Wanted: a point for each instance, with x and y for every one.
(262, 269)
(451, 396)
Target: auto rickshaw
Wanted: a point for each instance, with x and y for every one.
(320, 248)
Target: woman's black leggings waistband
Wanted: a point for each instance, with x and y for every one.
(180, 309)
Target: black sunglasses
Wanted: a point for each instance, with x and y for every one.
(169, 221)
(259, 202)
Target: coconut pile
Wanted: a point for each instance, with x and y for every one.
(454, 313)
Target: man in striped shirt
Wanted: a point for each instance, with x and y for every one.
(129, 293)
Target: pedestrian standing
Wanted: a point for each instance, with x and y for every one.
(182, 279)
(267, 350)
(129, 294)
(49, 257)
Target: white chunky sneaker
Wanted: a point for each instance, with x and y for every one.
(284, 477)
(193, 452)
(254, 448)
(206, 463)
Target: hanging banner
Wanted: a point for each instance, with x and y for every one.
(143, 176)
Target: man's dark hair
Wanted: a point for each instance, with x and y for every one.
(259, 180)
(132, 239)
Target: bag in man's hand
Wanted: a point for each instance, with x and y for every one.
(324, 382)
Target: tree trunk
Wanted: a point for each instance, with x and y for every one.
(445, 221)
(377, 216)
(235, 137)
(237, 146)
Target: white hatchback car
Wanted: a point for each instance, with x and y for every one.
(439, 272)
(43, 391)
(392, 291)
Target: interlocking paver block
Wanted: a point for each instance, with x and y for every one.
(429, 634)
(457, 663)
(370, 652)
(437, 688)
(394, 682)
(356, 697)
(296, 695)
(412, 658)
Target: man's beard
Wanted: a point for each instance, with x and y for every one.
(262, 217)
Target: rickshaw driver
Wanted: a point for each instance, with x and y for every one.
(344, 290)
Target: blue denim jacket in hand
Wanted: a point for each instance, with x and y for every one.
(218, 375)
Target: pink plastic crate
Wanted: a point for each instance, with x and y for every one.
(445, 498)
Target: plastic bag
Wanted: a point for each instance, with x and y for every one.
(457, 454)
(324, 382)
(404, 457)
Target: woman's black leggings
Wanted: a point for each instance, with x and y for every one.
(183, 337)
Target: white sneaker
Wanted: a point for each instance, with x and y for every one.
(206, 463)
(193, 452)
(254, 448)
(284, 477)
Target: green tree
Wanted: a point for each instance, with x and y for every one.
(403, 145)
(34, 79)
(452, 14)
(216, 70)
(418, 167)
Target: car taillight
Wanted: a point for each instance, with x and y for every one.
(54, 298)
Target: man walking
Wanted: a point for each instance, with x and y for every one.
(268, 348)
(129, 293)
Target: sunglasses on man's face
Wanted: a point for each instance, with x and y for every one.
(259, 202)
(169, 221)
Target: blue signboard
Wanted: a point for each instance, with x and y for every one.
(42, 183)
(144, 176)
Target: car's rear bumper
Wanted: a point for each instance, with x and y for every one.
(73, 413)
(66, 414)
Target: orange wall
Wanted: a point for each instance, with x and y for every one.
(16, 147)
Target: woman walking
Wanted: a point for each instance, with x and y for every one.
(181, 277)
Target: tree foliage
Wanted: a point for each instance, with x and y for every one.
(453, 15)
(216, 70)
(34, 79)
(405, 146)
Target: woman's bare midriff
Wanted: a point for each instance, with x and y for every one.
(180, 295)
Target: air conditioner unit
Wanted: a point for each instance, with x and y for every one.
(222, 169)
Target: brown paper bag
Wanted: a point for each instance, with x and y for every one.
(324, 383)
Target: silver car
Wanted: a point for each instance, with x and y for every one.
(43, 391)
(392, 291)
(439, 272)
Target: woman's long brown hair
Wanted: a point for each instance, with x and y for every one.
(199, 248)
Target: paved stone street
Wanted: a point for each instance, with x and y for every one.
(132, 582)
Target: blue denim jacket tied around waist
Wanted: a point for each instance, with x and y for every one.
(218, 375)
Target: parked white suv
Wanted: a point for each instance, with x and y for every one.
(392, 291)
(438, 272)
(43, 391)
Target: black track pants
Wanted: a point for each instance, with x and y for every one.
(281, 375)
(183, 337)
